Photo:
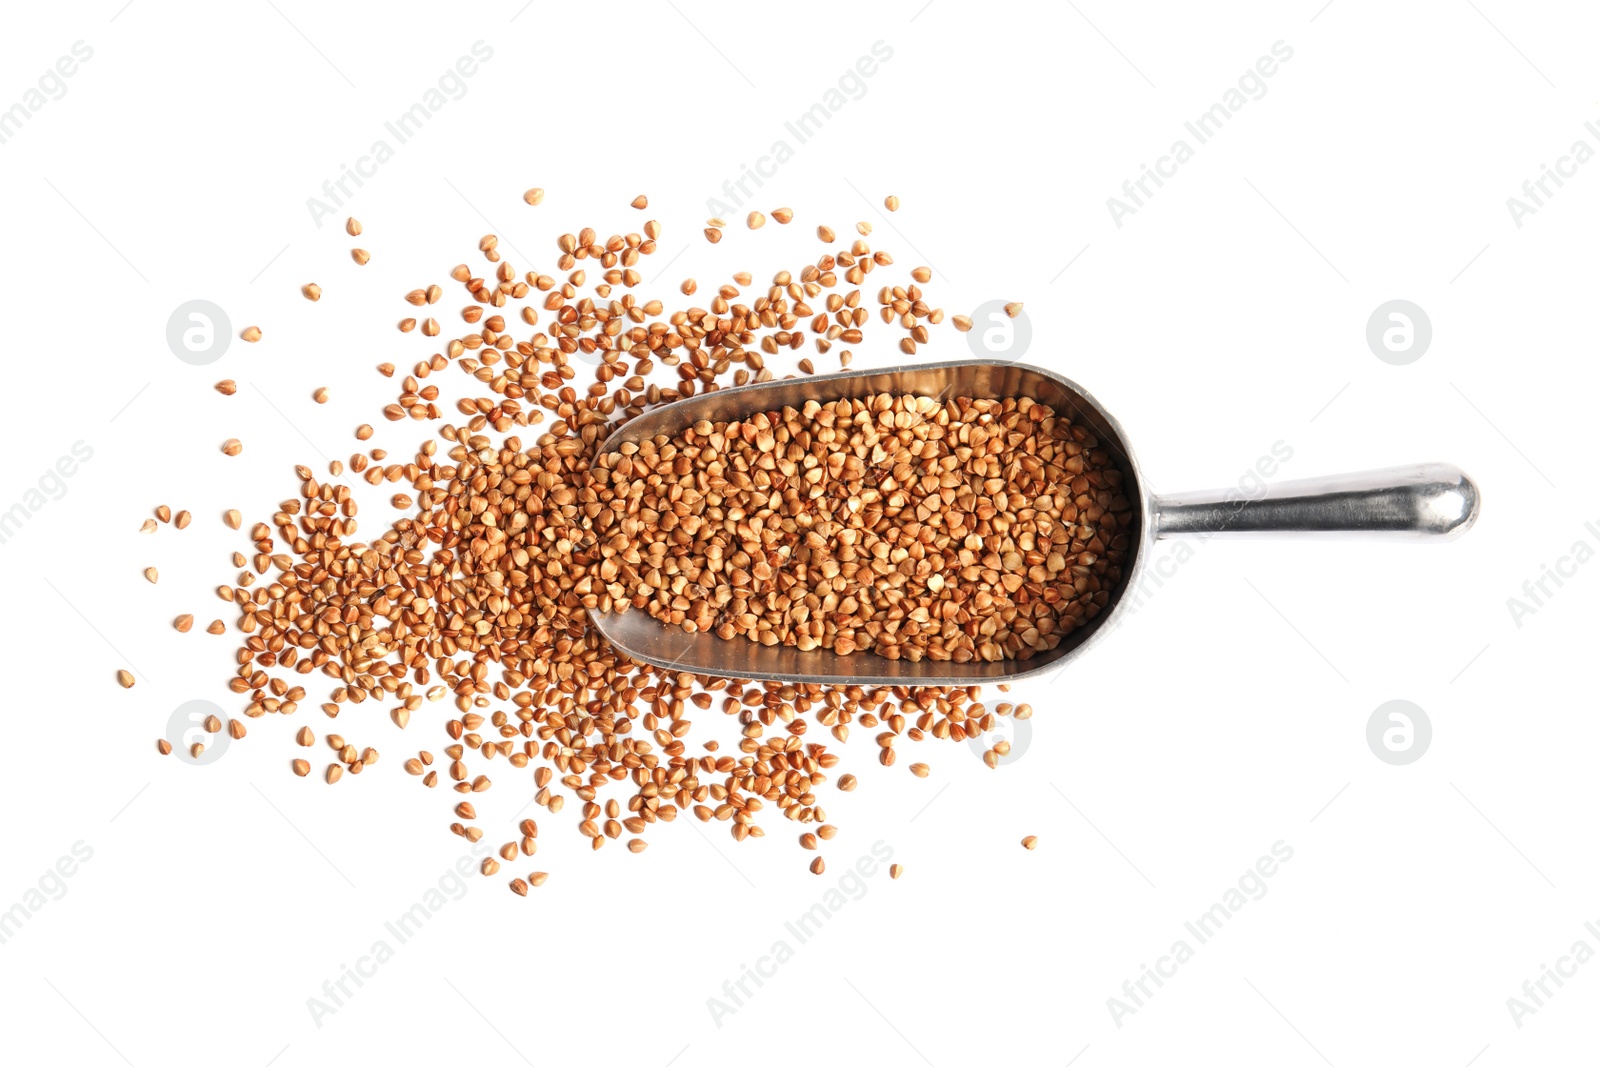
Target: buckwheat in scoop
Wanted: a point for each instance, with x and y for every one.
(912, 527)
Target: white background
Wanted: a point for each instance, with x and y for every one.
(1227, 314)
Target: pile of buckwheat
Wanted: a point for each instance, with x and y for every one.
(907, 526)
(902, 526)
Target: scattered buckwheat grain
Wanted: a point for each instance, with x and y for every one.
(904, 526)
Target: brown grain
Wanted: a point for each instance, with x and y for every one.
(476, 595)
(1024, 511)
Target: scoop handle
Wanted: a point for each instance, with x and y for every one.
(1421, 501)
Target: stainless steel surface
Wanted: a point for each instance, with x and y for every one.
(1411, 503)
(1422, 501)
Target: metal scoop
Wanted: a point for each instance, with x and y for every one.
(1423, 501)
